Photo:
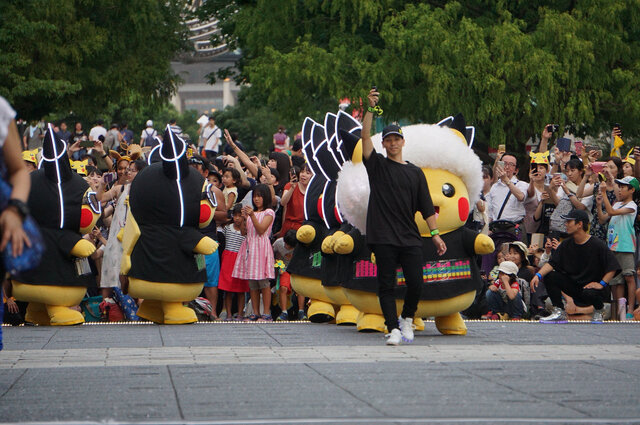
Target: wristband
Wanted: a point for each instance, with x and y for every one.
(539, 276)
(105, 155)
(435, 232)
(375, 110)
(603, 283)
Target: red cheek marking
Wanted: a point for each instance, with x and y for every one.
(319, 207)
(205, 213)
(463, 209)
(86, 217)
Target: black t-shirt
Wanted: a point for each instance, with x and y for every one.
(584, 263)
(545, 217)
(398, 191)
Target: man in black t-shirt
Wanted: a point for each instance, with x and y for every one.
(398, 190)
(581, 267)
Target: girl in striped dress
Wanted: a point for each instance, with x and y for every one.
(255, 259)
(234, 236)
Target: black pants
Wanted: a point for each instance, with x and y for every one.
(388, 257)
(557, 282)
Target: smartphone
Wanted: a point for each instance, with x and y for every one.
(373, 87)
(563, 144)
(547, 179)
(500, 164)
(598, 166)
(108, 178)
(86, 144)
(537, 239)
(552, 128)
(579, 147)
(502, 148)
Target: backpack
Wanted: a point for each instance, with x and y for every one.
(149, 139)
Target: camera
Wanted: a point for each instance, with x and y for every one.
(552, 128)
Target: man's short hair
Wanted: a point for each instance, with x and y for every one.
(509, 154)
(290, 238)
(297, 145)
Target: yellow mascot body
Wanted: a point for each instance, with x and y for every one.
(163, 251)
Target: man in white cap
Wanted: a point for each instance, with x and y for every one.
(147, 138)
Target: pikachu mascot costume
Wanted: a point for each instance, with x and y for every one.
(454, 176)
(65, 208)
(163, 251)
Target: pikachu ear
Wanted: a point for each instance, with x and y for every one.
(532, 154)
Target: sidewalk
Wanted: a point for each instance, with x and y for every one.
(233, 373)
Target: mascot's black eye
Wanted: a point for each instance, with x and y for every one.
(448, 190)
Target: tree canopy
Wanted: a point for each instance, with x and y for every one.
(59, 56)
(509, 66)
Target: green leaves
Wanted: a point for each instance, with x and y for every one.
(510, 66)
(81, 56)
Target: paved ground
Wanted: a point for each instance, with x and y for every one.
(301, 373)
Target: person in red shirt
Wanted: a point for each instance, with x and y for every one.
(503, 295)
(293, 199)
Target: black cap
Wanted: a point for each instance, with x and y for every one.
(577, 216)
(392, 129)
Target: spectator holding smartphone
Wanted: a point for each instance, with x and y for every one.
(622, 241)
(506, 197)
(293, 198)
(611, 171)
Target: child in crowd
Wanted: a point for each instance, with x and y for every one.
(622, 241)
(255, 258)
(501, 254)
(283, 250)
(230, 179)
(503, 295)
(234, 234)
(215, 179)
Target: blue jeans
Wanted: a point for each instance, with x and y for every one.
(514, 307)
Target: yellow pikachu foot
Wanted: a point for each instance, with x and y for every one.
(371, 323)
(320, 312)
(37, 314)
(177, 314)
(347, 316)
(63, 316)
(418, 323)
(451, 324)
(151, 310)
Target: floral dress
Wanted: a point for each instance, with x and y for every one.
(255, 258)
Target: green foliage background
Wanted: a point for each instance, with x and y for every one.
(509, 66)
(89, 58)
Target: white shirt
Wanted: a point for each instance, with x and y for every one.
(514, 209)
(96, 132)
(211, 137)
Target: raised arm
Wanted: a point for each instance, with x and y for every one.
(367, 143)
(253, 169)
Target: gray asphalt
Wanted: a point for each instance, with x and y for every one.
(302, 373)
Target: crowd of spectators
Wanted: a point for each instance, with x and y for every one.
(573, 197)
(261, 205)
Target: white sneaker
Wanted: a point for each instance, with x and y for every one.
(406, 328)
(394, 337)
